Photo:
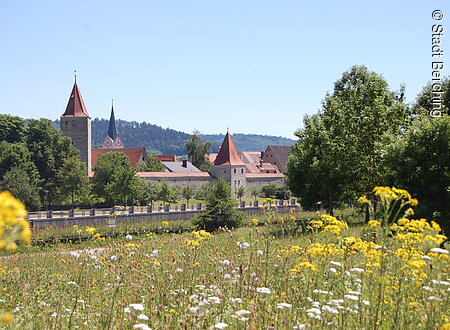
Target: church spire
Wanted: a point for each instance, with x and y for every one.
(75, 106)
(112, 130)
(228, 154)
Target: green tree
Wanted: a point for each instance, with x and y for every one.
(424, 102)
(240, 193)
(168, 194)
(254, 191)
(340, 150)
(188, 192)
(12, 128)
(148, 192)
(49, 149)
(151, 165)
(204, 191)
(220, 210)
(270, 190)
(73, 181)
(420, 163)
(18, 181)
(113, 172)
(198, 150)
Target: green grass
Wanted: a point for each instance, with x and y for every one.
(189, 286)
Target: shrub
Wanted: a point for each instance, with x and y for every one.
(220, 211)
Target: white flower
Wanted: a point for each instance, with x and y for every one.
(80, 301)
(427, 288)
(129, 237)
(322, 291)
(242, 312)
(243, 245)
(194, 310)
(333, 270)
(351, 297)
(179, 270)
(235, 300)
(142, 326)
(283, 305)
(221, 325)
(336, 301)
(356, 293)
(365, 302)
(426, 258)
(314, 312)
(335, 263)
(357, 270)
(330, 309)
(214, 300)
(225, 262)
(72, 283)
(54, 314)
(143, 317)
(300, 326)
(227, 276)
(434, 298)
(439, 250)
(154, 254)
(263, 290)
(259, 252)
(75, 254)
(137, 307)
(113, 258)
(127, 310)
(193, 297)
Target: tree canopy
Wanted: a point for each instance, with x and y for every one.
(198, 150)
(339, 150)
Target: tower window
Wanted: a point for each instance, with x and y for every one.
(234, 171)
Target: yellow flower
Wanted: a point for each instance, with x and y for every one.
(254, 221)
(90, 230)
(374, 223)
(363, 200)
(165, 223)
(6, 318)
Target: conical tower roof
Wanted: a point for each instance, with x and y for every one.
(228, 154)
(112, 129)
(75, 106)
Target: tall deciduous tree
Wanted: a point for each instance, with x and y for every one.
(198, 150)
(12, 128)
(49, 149)
(114, 173)
(339, 150)
(73, 181)
(420, 163)
(188, 192)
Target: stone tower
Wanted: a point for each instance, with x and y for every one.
(229, 166)
(112, 139)
(76, 124)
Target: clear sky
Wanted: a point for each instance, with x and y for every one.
(255, 66)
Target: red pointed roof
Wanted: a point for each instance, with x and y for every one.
(228, 154)
(76, 107)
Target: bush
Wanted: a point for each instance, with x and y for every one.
(220, 211)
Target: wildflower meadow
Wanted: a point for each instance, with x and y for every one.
(278, 272)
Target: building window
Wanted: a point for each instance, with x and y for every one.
(224, 171)
(242, 171)
(234, 171)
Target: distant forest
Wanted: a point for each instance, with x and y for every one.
(158, 140)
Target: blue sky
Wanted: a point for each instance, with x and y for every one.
(255, 66)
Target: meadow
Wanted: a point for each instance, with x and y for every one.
(271, 274)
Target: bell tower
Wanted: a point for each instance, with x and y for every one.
(76, 124)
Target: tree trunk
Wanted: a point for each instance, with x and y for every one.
(367, 214)
(73, 197)
(331, 202)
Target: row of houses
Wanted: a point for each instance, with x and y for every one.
(245, 169)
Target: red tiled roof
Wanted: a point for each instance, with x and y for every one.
(166, 158)
(228, 154)
(256, 168)
(75, 106)
(264, 175)
(173, 175)
(251, 156)
(212, 157)
(134, 154)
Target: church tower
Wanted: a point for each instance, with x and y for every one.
(112, 139)
(229, 166)
(76, 124)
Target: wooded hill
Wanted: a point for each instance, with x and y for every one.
(158, 140)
